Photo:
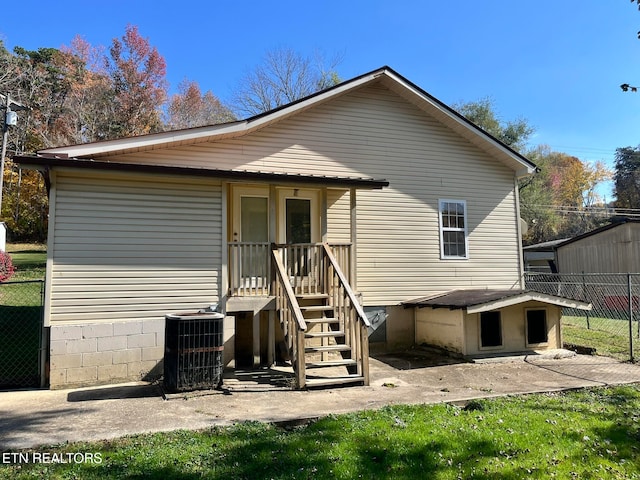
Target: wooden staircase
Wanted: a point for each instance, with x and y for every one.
(327, 354)
(324, 325)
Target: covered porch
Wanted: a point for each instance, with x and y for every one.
(291, 282)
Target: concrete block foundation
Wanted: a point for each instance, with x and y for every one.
(95, 354)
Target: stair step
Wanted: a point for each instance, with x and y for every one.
(327, 381)
(312, 296)
(313, 321)
(328, 348)
(332, 363)
(316, 308)
(324, 334)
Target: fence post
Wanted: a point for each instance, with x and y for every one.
(630, 298)
(586, 296)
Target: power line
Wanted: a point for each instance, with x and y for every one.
(568, 209)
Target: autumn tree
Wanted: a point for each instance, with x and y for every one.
(190, 108)
(25, 203)
(89, 101)
(75, 94)
(283, 76)
(560, 200)
(627, 177)
(138, 83)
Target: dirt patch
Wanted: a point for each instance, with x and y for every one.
(417, 357)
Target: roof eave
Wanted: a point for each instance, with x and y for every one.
(41, 162)
(526, 297)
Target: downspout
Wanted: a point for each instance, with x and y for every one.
(519, 233)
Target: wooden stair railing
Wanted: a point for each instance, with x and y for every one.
(351, 315)
(324, 325)
(291, 318)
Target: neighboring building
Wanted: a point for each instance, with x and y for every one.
(614, 248)
(541, 257)
(369, 193)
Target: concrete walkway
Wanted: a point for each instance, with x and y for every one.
(32, 418)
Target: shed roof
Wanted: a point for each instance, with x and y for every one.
(484, 300)
(599, 230)
(545, 246)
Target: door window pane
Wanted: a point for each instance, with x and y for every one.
(298, 212)
(254, 219)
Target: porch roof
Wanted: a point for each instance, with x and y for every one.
(45, 162)
(484, 300)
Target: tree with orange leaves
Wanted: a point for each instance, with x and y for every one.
(138, 85)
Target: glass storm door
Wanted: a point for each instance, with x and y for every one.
(251, 231)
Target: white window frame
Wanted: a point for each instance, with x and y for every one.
(443, 229)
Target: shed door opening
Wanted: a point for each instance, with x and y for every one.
(490, 329)
(537, 326)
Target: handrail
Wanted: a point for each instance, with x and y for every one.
(346, 286)
(281, 273)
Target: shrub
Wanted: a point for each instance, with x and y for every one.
(6, 266)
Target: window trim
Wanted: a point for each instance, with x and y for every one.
(443, 229)
(526, 326)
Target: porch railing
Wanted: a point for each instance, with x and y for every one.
(291, 318)
(250, 267)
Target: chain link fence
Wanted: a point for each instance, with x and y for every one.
(612, 327)
(22, 342)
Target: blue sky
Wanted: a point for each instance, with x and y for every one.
(558, 64)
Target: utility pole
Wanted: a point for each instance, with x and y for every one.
(10, 117)
(5, 131)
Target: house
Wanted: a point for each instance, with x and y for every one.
(310, 226)
(614, 248)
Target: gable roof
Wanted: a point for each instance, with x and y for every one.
(385, 75)
(484, 300)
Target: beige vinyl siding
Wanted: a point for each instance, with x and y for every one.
(373, 132)
(133, 246)
(338, 216)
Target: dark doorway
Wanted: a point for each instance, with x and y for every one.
(537, 326)
(490, 329)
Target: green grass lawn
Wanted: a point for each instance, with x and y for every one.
(586, 434)
(29, 259)
(610, 337)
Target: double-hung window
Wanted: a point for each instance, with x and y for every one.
(453, 229)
